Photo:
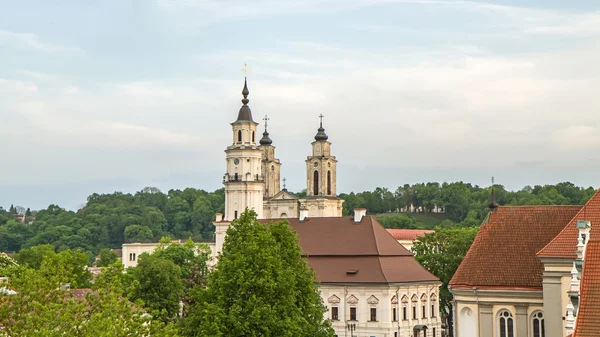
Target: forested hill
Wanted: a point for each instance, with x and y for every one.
(108, 220)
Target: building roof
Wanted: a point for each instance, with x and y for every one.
(343, 251)
(408, 234)
(565, 243)
(503, 254)
(588, 316)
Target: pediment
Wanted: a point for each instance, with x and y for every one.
(352, 300)
(333, 299)
(284, 195)
(372, 300)
(394, 300)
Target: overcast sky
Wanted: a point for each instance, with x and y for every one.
(98, 96)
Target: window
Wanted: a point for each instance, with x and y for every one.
(432, 311)
(316, 183)
(131, 256)
(433, 335)
(538, 324)
(394, 316)
(414, 312)
(404, 314)
(252, 136)
(353, 313)
(328, 182)
(334, 313)
(235, 215)
(506, 322)
(239, 136)
(424, 312)
(373, 315)
(396, 334)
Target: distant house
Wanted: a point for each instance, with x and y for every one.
(131, 252)
(406, 237)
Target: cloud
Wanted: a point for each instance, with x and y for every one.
(32, 41)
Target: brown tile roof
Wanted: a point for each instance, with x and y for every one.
(588, 317)
(565, 243)
(408, 234)
(342, 251)
(504, 251)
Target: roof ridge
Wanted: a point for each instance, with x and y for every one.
(540, 252)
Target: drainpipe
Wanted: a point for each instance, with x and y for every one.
(398, 310)
(345, 308)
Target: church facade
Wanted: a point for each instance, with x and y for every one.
(372, 285)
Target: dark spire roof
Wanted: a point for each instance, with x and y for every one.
(245, 114)
(321, 135)
(493, 205)
(265, 140)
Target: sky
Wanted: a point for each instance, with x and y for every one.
(116, 95)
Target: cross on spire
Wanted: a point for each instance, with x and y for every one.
(321, 117)
(246, 69)
(266, 119)
(284, 180)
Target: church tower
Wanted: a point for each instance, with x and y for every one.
(244, 181)
(321, 166)
(321, 173)
(271, 167)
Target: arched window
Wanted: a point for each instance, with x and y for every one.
(415, 300)
(404, 308)
(537, 319)
(283, 216)
(252, 136)
(239, 136)
(424, 306)
(316, 183)
(328, 182)
(506, 324)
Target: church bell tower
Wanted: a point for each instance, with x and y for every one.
(244, 181)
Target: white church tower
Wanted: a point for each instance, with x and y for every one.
(244, 181)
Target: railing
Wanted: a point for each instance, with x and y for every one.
(239, 178)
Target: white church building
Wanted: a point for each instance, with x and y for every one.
(372, 286)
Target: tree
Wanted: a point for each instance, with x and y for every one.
(262, 286)
(53, 310)
(107, 257)
(138, 233)
(157, 283)
(5, 262)
(441, 253)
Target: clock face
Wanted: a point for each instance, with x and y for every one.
(236, 161)
(316, 164)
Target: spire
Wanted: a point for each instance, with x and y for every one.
(245, 114)
(321, 132)
(265, 140)
(493, 205)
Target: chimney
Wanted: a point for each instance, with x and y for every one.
(219, 217)
(359, 213)
(303, 214)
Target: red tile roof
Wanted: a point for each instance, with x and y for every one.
(503, 254)
(565, 243)
(336, 246)
(588, 316)
(408, 234)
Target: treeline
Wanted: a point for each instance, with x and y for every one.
(461, 202)
(108, 220)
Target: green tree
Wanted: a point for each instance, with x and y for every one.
(107, 257)
(157, 283)
(262, 286)
(54, 311)
(138, 233)
(441, 253)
